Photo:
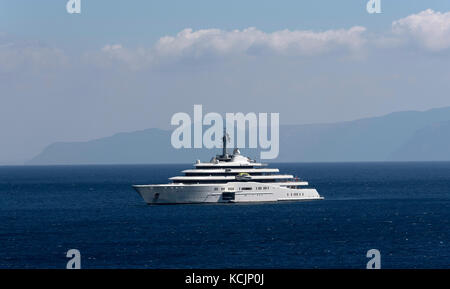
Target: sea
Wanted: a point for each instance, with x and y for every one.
(400, 209)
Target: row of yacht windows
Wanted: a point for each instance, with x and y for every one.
(224, 174)
(225, 181)
(242, 188)
(223, 167)
(247, 189)
(295, 194)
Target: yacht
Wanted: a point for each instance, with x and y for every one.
(228, 179)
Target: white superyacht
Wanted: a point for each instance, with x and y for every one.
(228, 179)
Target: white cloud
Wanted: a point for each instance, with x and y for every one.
(219, 43)
(29, 56)
(134, 58)
(429, 28)
(243, 41)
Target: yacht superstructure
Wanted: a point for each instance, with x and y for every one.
(228, 179)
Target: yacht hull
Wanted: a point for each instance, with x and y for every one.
(223, 193)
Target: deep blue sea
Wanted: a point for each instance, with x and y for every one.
(401, 209)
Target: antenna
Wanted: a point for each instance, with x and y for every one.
(225, 139)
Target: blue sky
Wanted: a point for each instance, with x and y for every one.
(144, 22)
(130, 65)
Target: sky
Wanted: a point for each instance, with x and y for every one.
(129, 65)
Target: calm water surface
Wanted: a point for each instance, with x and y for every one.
(401, 209)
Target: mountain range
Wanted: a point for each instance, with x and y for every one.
(399, 136)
